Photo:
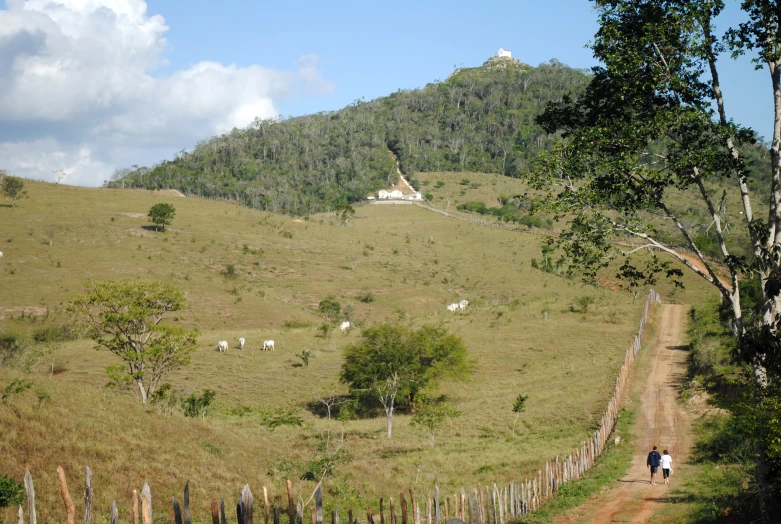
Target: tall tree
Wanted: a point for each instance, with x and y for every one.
(126, 318)
(646, 129)
(161, 215)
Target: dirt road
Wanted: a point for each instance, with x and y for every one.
(660, 422)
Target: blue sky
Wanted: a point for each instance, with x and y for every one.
(372, 48)
(90, 86)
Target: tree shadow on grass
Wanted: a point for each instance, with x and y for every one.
(152, 228)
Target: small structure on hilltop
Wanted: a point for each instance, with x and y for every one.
(387, 195)
(504, 53)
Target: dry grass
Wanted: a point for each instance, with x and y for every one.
(566, 365)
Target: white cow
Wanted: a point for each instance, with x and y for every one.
(241, 343)
(452, 307)
(344, 326)
(222, 346)
(462, 305)
(268, 345)
(1, 254)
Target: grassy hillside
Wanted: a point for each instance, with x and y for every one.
(479, 119)
(392, 262)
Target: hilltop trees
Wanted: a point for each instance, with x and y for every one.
(477, 120)
(12, 187)
(647, 128)
(391, 364)
(161, 215)
(126, 318)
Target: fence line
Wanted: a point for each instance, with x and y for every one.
(479, 505)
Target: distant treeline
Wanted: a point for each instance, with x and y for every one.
(480, 120)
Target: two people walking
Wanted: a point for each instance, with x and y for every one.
(665, 461)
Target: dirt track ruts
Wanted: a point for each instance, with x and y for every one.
(661, 421)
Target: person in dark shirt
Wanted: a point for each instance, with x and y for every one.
(654, 459)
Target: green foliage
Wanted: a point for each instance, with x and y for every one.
(230, 272)
(518, 408)
(305, 355)
(344, 211)
(13, 188)
(161, 215)
(16, 387)
(273, 419)
(198, 406)
(479, 120)
(125, 317)
(509, 212)
(418, 358)
(584, 302)
(11, 492)
(431, 414)
(12, 344)
(330, 308)
(58, 333)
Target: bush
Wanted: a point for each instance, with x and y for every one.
(440, 183)
(11, 492)
(60, 333)
(330, 308)
(11, 346)
(366, 297)
(296, 324)
(195, 406)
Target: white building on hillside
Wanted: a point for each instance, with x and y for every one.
(387, 195)
(504, 53)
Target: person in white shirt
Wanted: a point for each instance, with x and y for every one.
(667, 466)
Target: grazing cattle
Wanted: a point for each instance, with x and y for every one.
(268, 345)
(241, 343)
(222, 346)
(452, 307)
(1, 254)
(462, 305)
(344, 326)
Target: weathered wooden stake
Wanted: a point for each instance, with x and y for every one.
(215, 512)
(336, 514)
(291, 509)
(392, 511)
(447, 509)
(350, 516)
(20, 516)
(369, 517)
(146, 502)
(436, 504)
(319, 505)
(88, 497)
(223, 520)
(247, 504)
(177, 511)
(266, 507)
(70, 509)
(135, 507)
(114, 513)
(428, 511)
(382, 511)
(312, 514)
(187, 503)
(30, 489)
(403, 508)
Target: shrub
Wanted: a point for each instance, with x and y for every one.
(195, 406)
(11, 492)
(366, 297)
(230, 272)
(59, 333)
(296, 324)
(440, 183)
(305, 355)
(464, 181)
(330, 308)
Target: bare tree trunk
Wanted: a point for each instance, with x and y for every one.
(141, 387)
(389, 416)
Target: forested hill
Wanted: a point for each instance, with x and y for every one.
(479, 119)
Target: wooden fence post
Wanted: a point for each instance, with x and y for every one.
(291, 509)
(266, 507)
(20, 516)
(88, 496)
(135, 507)
(319, 505)
(382, 511)
(146, 502)
(403, 508)
(436, 504)
(392, 511)
(187, 502)
(70, 509)
(114, 513)
(30, 490)
(223, 520)
(247, 503)
(215, 512)
(177, 511)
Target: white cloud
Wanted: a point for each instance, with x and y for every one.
(78, 90)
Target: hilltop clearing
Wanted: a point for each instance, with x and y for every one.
(528, 332)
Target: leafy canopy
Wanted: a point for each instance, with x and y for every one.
(162, 215)
(126, 317)
(13, 188)
(418, 357)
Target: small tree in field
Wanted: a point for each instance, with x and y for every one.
(431, 414)
(518, 407)
(161, 215)
(125, 317)
(393, 363)
(13, 188)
